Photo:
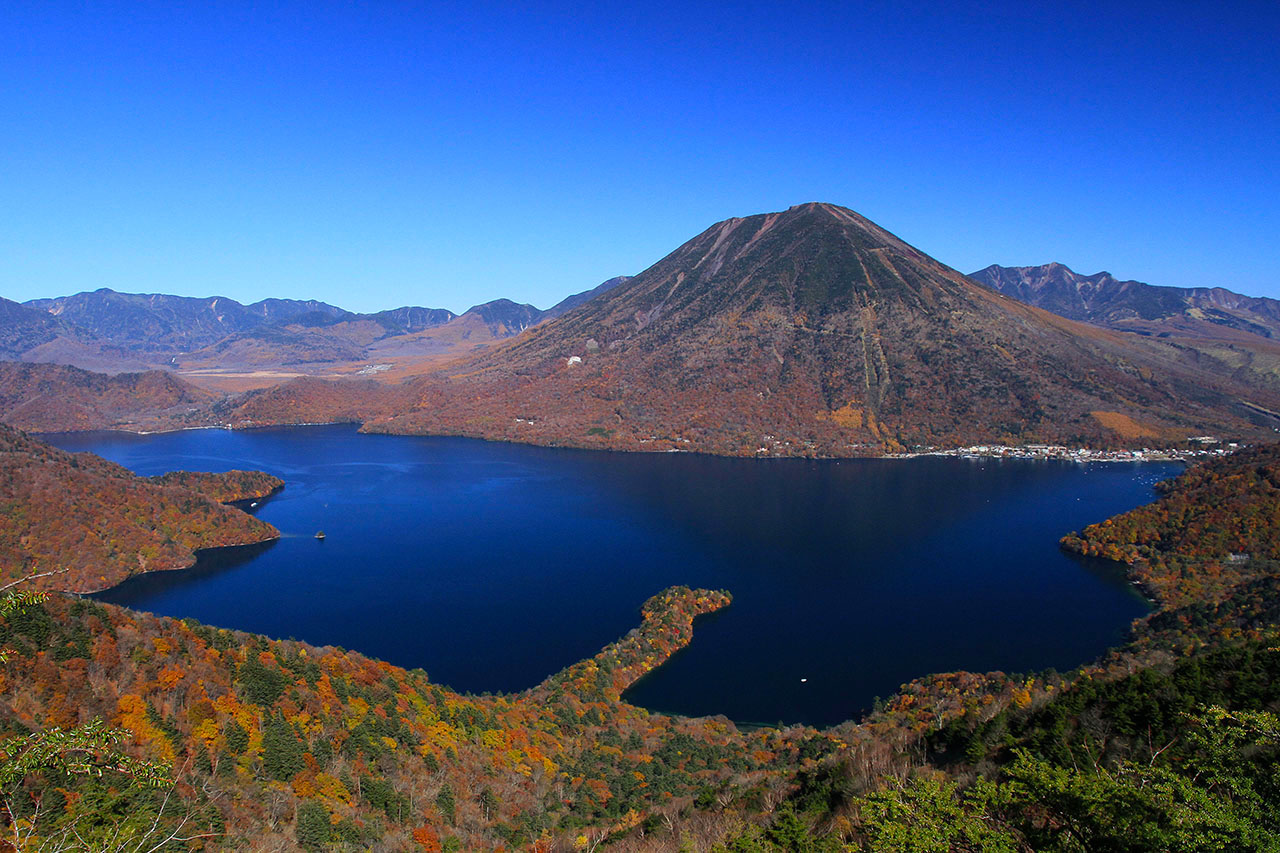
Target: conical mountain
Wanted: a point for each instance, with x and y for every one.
(814, 330)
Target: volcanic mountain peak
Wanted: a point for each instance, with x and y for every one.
(798, 266)
(815, 330)
(819, 217)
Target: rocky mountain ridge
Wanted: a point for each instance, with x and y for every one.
(1103, 300)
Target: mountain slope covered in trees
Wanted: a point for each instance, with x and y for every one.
(1168, 743)
(94, 523)
(57, 398)
(281, 745)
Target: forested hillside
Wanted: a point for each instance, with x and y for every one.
(281, 745)
(1217, 525)
(1170, 743)
(224, 487)
(93, 523)
(56, 398)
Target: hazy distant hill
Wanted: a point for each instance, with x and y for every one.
(476, 328)
(567, 304)
(408, 319)
(110, 331)
(306, 312)
(163, 329)
(814, 330)
(24, 328)
(160, 322)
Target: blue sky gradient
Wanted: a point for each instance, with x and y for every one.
(382, 154)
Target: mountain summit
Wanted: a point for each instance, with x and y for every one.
(814, 330)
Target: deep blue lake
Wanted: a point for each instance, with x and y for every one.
(494, 565)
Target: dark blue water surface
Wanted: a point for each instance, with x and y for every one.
(494, 565)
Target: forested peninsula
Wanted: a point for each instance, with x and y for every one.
(85, 524)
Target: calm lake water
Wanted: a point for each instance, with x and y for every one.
(494, 565)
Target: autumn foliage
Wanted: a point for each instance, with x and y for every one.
(1214, 527)
(224, 487)
(97, 523)
(311, 745)
(56, 398)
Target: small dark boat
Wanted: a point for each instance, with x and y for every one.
(319, 534)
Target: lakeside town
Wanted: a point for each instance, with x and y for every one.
(1207, 446)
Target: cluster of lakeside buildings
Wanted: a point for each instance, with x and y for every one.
(1208, 446)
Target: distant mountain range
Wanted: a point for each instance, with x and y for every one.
(1207, 328)
(106, 330)
(156, 322)
(1134, 306)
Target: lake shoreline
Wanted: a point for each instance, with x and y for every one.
(995, 451)
(491, 564)
(197, 553)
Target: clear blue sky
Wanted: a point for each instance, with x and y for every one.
(381, 154)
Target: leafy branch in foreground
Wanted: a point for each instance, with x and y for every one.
(12, 601)
(87, 750)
